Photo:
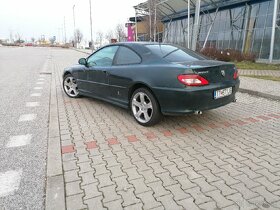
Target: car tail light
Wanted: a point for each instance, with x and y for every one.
(192, 80)
(236, 74)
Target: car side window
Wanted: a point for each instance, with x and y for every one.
(126, 56)
(103, 57)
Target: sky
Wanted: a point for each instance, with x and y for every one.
(34, 18)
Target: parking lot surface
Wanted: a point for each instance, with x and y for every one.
(227, 158)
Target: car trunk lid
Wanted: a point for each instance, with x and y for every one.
(213, 71)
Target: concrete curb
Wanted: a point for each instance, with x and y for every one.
(81, 51)
(55, 193)
(259, 94)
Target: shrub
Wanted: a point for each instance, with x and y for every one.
(228, 55)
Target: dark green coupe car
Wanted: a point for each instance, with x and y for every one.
(152, 79)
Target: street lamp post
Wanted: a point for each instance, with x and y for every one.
(91, 40)
(65, 39)
(74, 24)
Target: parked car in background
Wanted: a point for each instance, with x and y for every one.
(152, 79)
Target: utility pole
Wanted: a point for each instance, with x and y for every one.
(74, 25)
(91, 40)
(74, 17)
(65, 39)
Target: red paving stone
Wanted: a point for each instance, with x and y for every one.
(132, 138)
(227, 124)
(240, 122)
(112, 141)
(182, 130)
(198, 127)
(91, 144)
(167, 133)
(213, 126)
(150, 135)
(67, 149)
(274, 116)
(264, 118)
(251, 119)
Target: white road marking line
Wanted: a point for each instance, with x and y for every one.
(32, 104)
(35, 94)
(27, 117)
(9, 182)
(39, 83)
(41, 75)
(38, 88)
(19, 141)
(41, 79)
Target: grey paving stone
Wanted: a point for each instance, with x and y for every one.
(269, 197)
(177, 192)
(219, 198)
(148, 200)
(246, 192)
(158, 189)
(70, 176)
(87, 178)
(169, 203)
(129, 197)
(104, 180)
(240, 201)
(204, 186)
(91, 191)
(140, 186)
(95, 203)
(109, 193)
(75, 202)
(114, 205)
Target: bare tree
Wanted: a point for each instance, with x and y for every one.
(18, 38)
(99, 37)
(109, 35)
(120, 32)
(78, 36)
(52, 39)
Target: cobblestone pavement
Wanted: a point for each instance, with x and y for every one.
(274, 73)
(227, 158)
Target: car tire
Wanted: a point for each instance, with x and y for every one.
(144, 107)
(70, 86)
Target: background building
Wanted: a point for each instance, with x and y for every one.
(251, 26)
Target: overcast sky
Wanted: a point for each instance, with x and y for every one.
(33, 18)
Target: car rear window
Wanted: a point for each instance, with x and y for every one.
(175, 54)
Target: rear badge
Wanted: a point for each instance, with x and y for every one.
(223, 73)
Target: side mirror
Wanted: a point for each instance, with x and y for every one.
(82, 61)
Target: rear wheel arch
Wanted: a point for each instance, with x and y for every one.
(141, 85)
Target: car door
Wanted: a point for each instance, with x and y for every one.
(98, 65)
(81, 76)
(120, 75)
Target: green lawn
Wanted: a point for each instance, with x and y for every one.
(264, 77)
(257, 66)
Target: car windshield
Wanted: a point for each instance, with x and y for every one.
(175, 54)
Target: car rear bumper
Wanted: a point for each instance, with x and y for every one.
(191, 99)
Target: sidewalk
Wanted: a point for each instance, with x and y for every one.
(274, 73)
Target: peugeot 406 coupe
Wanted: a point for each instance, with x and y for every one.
(153, 79)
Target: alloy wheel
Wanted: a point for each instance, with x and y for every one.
(142, 107)
(70, 86)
